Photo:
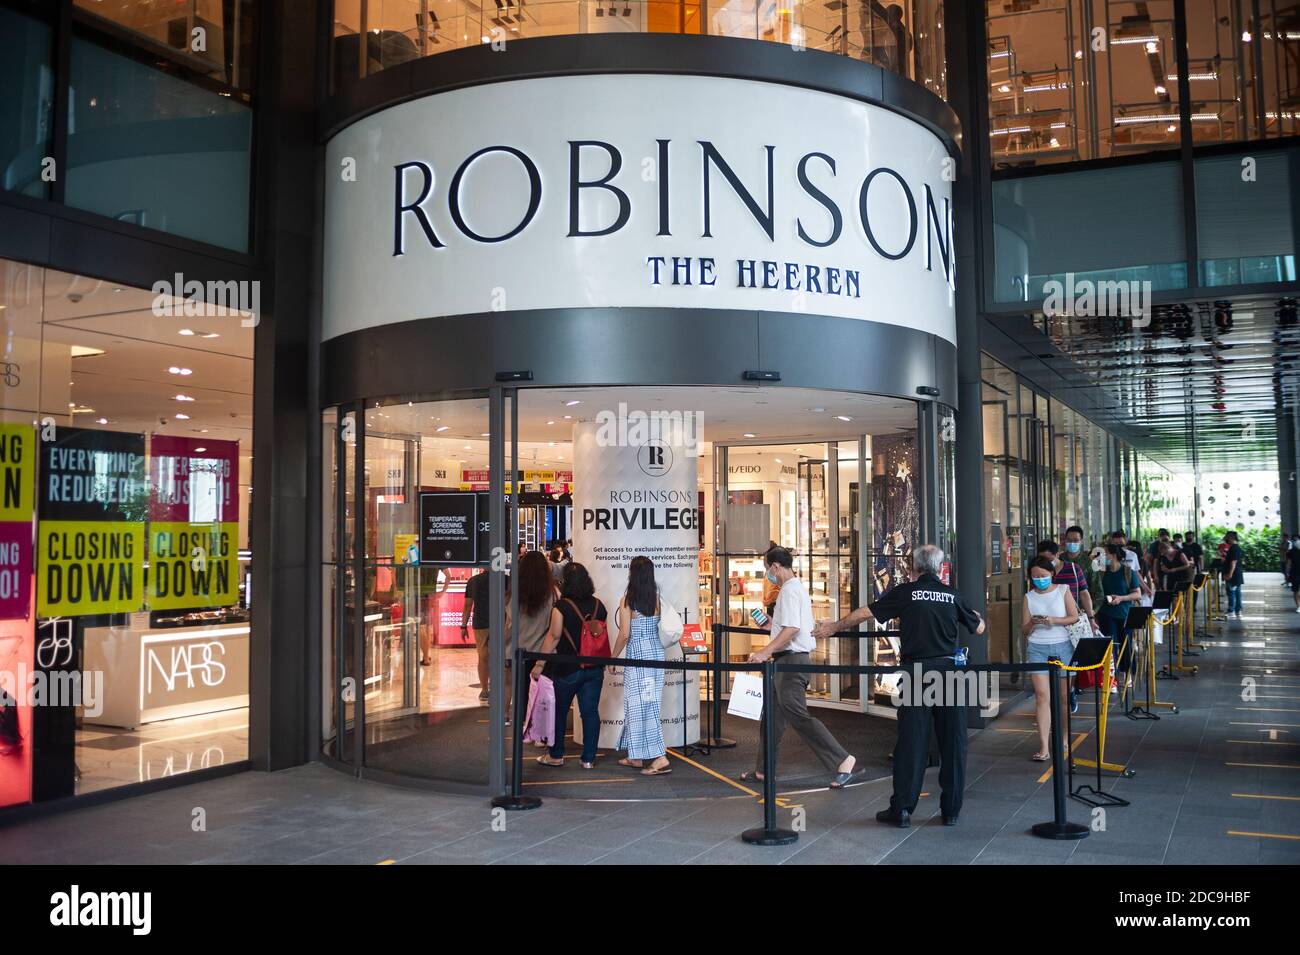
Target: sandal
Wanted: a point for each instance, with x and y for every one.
(545, 760)
(751, 776)
(632, 764)
(842, 780)
(1041, 757)
(663, 770)
(588, 765)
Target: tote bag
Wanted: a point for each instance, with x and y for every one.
(540, 721)
(746, 696)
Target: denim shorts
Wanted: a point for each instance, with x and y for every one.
(1039, 652)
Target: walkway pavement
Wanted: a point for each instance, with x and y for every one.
(1216, 783)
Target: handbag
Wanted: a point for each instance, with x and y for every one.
(540, 722)
(1081, 629)
(670, 624)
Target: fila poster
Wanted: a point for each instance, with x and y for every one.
(193, 523)
(90, 540)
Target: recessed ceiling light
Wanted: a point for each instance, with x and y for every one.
(101, 421)
(186, 331)
(568, 417)
(750, 435)
(199, 450)
(181, 416)
(469, 447)
(550, 444)
(486, 434)
(441, 428)
(85, 351)
(210, 335)
(550, 422)
(777, 460)
(570, 404)
(843, 417)
(184, 398)
(176, 370)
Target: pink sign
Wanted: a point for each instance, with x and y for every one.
(15, 569)
(193, 480)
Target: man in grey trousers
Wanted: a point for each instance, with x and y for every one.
(792, 626)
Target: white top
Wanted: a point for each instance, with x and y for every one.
(1050, 604)
(794, 609)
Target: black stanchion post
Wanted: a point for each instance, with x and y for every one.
(769, 834)
(516, 798)
(1059, 827)
(716, 739)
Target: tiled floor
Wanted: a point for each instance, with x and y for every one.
(1218, 782)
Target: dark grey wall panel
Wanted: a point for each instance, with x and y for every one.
(628, 346)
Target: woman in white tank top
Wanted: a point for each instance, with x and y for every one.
(1048, 609)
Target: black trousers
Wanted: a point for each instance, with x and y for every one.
(913, 747)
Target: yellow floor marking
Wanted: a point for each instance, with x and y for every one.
(1264, 835)
(1078, 738)
(1261, 796)
(715, 775)
(386, 862)
(1266, 765)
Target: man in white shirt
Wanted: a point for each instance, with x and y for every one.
(792, 625)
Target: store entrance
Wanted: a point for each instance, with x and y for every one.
(835, 477)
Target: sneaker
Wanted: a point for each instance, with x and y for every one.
(1074, 704)
(950, 820)
(483, 697)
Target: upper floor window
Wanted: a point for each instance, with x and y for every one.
(905, 37)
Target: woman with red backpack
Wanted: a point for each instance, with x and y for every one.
(578, 628)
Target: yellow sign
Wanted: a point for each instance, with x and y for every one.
(193, 565)
(406, 548)
(17, 457)
(539, 477)
(90, 567)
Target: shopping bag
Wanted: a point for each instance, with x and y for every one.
(746, 697)
(539, 724)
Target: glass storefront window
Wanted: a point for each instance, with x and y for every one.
(126, 451)
(214, 39)
(150, 148)
(904, 37)
(25, 109)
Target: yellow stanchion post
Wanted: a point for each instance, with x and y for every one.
(1103, 709)
(1175, 628)
(1151, 669)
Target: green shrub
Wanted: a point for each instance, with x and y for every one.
(1259, 548)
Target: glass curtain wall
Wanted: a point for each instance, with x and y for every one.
(126, 427)
(905, 37)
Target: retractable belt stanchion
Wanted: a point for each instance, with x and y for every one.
(1178, 625)
(1059, 827)
(1095, 654)
(716, 739)
(769, 834)
(516, 798)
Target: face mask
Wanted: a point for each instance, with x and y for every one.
(1073, 546)
(1042, 583)
(771, 578)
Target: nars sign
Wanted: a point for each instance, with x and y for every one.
(707, 193)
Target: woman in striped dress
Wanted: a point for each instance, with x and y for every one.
(643, 688)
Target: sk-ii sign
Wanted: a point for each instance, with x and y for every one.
(710, 193)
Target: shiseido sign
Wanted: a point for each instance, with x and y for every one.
(638, 190)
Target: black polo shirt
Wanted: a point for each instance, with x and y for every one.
(928, 613)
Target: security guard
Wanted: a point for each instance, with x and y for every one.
(929, 613)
